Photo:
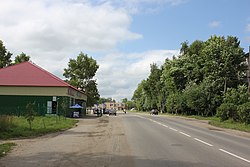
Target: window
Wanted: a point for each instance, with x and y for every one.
(49, 107)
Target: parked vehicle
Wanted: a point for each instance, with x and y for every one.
(95, 111)
(105, 111)
(154, 112)
(98, 112)
(112, 112)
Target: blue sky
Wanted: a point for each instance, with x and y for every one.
(124, 36)
(170, 25)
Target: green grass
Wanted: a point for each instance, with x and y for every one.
(40, 126)
(5, 148)
(230, 124)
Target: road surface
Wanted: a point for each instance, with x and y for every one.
(163, 141)
(134, 140)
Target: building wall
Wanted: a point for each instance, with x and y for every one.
(42, 91)
(13, 100)
(116, 106)
(16, 105)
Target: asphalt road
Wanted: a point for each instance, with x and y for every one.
(164, 141)
(129, 140)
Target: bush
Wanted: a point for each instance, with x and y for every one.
(175, 103)
(236, 96)
(244, 112)
(6, 122)
(226, 111)
(30, 113)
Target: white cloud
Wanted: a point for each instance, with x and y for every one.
(137, 6)
(247, 39)
(214, 24)
(53, 30)
(120, 73)
(248, 27)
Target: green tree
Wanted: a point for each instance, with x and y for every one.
(197, 80)
(4, 56)
(226, 111)
(30, 113)
(125, 100)
(139, 96)
(224, 60)
(175, 103)
(80, 73)
(129, 104)
(235, 105)
(244, 112)
(92, 92)
(65, 106)
(21, 58)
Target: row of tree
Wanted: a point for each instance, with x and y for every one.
(80, 71)
(5, 57)
(206, 79)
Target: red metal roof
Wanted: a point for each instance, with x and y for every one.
(29, 74)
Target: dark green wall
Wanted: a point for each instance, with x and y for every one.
(16, 105)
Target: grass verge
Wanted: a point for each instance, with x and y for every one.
(5, 148)
(229, 124)
(40, 126)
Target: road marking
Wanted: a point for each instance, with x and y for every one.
(185, 134)
(173, 129)
(235, 155)
(203, 142)
(165, 126)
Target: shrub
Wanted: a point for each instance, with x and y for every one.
(30, 113)
(6, 122)
(226, 111)
(244, 112)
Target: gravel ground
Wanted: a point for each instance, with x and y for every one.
(94, 142)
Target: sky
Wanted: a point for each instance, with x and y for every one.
(123, 36)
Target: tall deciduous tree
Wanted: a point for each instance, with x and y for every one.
(4, 56)
(21, 58)
(80, 73)
(196, 81)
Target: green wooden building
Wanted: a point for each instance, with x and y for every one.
(26, 83)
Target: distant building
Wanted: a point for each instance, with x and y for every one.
(116, 106)
(28, 83)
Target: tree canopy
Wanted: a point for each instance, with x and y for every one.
(197, 80)
(4, 56)
(21, 58)
(80, 73)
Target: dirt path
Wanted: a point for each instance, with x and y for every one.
(95, 142)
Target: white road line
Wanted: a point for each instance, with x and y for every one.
(203, 142)
(165, 126)
(235, 155)
(185, 134)
(173, 129)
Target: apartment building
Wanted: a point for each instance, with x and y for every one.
(115, 106)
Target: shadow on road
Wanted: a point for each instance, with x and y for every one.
(52, 159)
